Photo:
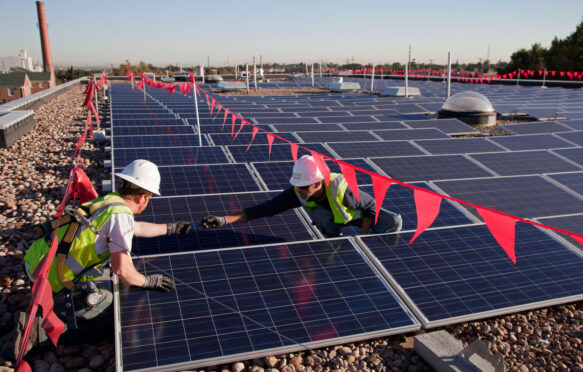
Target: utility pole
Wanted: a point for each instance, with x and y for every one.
(208, 61)
(409, 60)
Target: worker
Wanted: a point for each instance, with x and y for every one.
(331, 207)
(99, 230)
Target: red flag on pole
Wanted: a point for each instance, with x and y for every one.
(502, 228)
(427, 204)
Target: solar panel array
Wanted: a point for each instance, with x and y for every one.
(263, 287)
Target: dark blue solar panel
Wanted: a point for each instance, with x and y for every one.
(575, 154)
(524, 162)
(461, 274)
(541, 113)
(276, 175)
(346, 119)
(171, 156)
(153, 115)
(427, 168)
(278, 152)
(458, 146)
(245, 138)
(336, 136)
(526, 196)
(290, 120)
(379, 148)
(285, 226)
(574, 181)
(157, 141)
(402, 117)
(568, 223)
(151, 130)
(373, 125)
(536, 127)
(576, 124)
(229, 303)
(409, 134)
(575, 137)
(530, 142)
(146, 122)
(449, 126)
(306, 127)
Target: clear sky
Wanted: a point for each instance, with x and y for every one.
(105, 32)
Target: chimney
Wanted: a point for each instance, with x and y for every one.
(44, 39)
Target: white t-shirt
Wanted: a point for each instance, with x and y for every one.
(120, 228)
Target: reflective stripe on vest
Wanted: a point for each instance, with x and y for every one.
(82, 253)
(335, 195)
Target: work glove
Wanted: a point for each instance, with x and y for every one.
(159, 282)
(213, 222)
(180, 227)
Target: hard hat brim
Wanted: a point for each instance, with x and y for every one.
(138, 183)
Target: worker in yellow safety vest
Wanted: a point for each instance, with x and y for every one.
(331, 206)
(89, 237)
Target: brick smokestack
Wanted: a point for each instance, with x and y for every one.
(44, 39)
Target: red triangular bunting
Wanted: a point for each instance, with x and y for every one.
(380, 185)
(270, 139)
(233, 120)
(578, 238)
(213, 103)
(53, 326)
(24, 367)
(428, 205)
(350, 178)
(218, 111)
(225, 119)
(502, 228)
(321, 164)
(255, 130)
(243, 122)
(294, 151)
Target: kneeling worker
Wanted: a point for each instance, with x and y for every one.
(88, 237)
(331, 207)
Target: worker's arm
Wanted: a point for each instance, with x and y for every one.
(366, 224)
(122, 266)
(366, 205)
(149, 230)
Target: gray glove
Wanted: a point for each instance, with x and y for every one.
(213, 222)
(159, 282)
(180, 227)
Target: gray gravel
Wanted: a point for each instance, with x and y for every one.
(34, 172)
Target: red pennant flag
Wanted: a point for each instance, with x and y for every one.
(82, 187)
(321, 164)
(255, 130)
(427, 204)
(350, 177)
(294, 151)
(208, 103)
(243, 122)
(213, 102)
(577, 238)
(191, 77)
(53, 326)
(24, 367)
(225, 119)
(270, 139)
(380, 185)
(502, 228)
(94, 111)
(218, 111)
(233, 119)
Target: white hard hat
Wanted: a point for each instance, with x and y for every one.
(142, 173)
(305, 172)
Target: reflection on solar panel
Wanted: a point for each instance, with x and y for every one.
(461, 274)
(530, 142)
(280, 151)
(575, 137)
(260, 300)
(276, 175)
(524, 162)
(536, 127)
(374, 125)
(526, 196)
(574, 181)
(336, 136)
(449, 126)
(151, 130)
(379, 148)
(409, 134)
(157, 141)
(399, 199)
(245, 138)
(457, 145)
(206, 179)
(171, 155)
(286, 226)
(575, 154)
(427, 168)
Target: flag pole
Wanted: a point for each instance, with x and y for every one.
(196, 109)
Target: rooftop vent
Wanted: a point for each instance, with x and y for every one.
(400, 92)
(214, 78)
(231, 86)
(339, 86)
(469, 107)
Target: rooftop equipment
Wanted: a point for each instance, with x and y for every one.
(339, 86)
(469, 107)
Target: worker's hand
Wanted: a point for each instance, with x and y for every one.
(213, 222)
(159, 282)
(180, 227)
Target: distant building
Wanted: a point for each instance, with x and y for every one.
(21, 61)
(13, 86)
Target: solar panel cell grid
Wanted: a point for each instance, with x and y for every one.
(410, 134)
(157, 141)
(449, 126)
(458, 146)
(574, 181)
(171, 155)
(278, 152)
(524, 162)
(378, 148)
(530, 142)
(536, 127)
(336, 136)
(151, 130)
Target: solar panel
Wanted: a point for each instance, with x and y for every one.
(306, 127)
(281, 151)
(245, 138)
(449, 126)
(157, 141)
(153, 115)
(536, 127)
(346, 119)
(461, 274)
(374, 125)
(378, 148)
(336, 136)
(146, 122)
(522, 196)
(542, 112)
(276, 174)
(573, 223)
(575, 154)
(290, 120)
(151, 130)
(171, 155)
(244, 303)
(574, 181)
(427, 168)
(524, 162)
(409, 134)
(576, 124)
(575, 137)
(457, 145)
(530, 142)
(402, 117)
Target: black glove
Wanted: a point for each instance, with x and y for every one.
(213, 222)
(180, 227)
(159, 282)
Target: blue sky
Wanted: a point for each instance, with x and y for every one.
(105, 32)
